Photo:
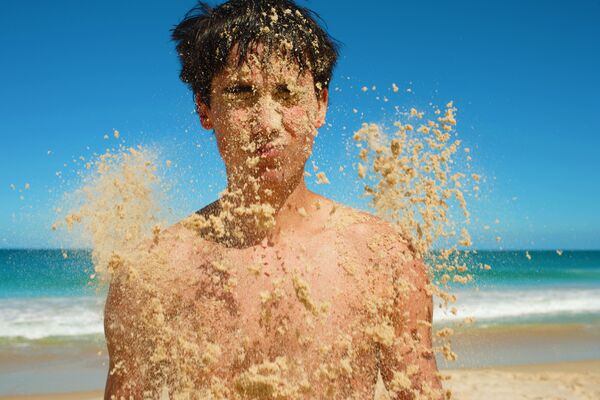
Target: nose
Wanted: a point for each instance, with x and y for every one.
(268, 118)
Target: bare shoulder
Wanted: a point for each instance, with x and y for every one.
(363, 228)
(182, 243)
(379, 243)
(155, 265)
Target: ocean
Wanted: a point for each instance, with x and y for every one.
(542, 309)
(47, 297)
(529, 287)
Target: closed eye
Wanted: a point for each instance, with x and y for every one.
(285, 94)
(283, 89)
(235, 89)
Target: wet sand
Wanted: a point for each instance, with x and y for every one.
(564, 380)
(510, 345)
(488, 374)
(96, 395)
(503, 362)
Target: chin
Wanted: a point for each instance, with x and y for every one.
(277, 180)
(272, 177)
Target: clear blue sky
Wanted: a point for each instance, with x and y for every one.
(524, 75)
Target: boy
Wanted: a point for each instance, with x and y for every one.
(272, 291)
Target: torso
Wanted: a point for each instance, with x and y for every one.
(239, 319)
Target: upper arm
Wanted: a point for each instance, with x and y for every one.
(122, 331)
(408, 366)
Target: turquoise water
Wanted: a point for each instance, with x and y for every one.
(44, 273)
(512, 269)
(45, 297)
(545, 287)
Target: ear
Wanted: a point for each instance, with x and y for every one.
(322, 101)
(204, 113)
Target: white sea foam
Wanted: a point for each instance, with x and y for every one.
(522, 303)
(38, 318)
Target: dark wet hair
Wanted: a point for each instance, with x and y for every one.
(206, 36)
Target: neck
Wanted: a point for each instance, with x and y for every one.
(287, 214)
(279, 212)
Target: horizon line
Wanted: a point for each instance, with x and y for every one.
(462, 250)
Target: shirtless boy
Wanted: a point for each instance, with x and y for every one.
(272, 291)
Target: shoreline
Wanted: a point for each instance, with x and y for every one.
(498, 347)
(495, 354)
(557, 380)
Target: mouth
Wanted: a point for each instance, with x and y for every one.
(269, 151)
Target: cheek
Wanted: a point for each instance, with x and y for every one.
(235, 118)
(299, 122)
(232, 130)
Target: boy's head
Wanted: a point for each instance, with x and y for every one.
(206, 37)
(260, 70)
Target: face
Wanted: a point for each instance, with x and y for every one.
(265, 116)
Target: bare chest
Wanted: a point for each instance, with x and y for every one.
(301, 302)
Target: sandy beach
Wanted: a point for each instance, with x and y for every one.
(564, 380)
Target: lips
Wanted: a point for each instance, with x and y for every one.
(269, 151)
